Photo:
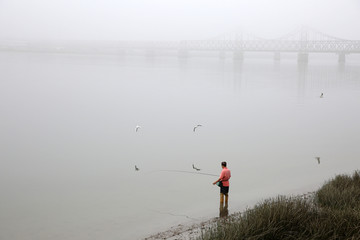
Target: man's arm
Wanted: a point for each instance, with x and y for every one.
(217, 181)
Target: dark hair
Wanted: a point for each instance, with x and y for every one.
(223, 164)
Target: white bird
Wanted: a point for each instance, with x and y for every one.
(199, 125)
(137, 128)
(322, 95)
(318, 159)
(136, 168)
(197, 169)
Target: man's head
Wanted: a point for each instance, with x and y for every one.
(223, 164)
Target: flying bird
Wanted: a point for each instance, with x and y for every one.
(136, 168)
(199, 125)
(322, 95)
(318, 159)
(197, 169)
(137, 128)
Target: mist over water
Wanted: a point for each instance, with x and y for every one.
(67, 121)
(69, 145)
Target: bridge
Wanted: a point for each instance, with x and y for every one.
(301, 41)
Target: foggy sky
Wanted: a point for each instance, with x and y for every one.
(172, 19)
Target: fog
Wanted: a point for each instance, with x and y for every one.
(68, 116)
(172, 20)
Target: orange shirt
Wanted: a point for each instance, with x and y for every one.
(225, 176)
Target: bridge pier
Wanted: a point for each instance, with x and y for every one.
(222, 54)
(150, 53)
(342, 58)
(277, 56)
(303, 57)
(122, 52)
(238, 55)
(182, 53)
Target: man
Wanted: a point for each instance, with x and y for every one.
(224, 185)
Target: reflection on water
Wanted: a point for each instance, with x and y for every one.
(302, 79)
(224, 204)
(224, 211)
(69, 146)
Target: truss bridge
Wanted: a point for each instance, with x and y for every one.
(302, 41)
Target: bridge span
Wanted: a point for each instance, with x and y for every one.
(302, 41)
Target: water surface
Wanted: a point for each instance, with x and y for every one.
(69, 146)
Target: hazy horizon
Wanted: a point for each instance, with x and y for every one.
(172, 20)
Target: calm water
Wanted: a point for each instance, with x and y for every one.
(69, 146)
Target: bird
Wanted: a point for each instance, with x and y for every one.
(197, 169)
(137, 128)
(136, 168)
(322, 95)
(199, 125)
(318, 159)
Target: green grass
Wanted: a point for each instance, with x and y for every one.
(333, 212)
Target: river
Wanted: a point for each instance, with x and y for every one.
(69, 146)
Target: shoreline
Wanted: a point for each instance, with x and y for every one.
(193, 230)
(184, 231)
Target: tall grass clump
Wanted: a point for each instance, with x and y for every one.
(330, 213)
(341, 193)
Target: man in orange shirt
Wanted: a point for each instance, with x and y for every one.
(224, 184)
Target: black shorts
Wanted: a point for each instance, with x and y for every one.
(224, 190)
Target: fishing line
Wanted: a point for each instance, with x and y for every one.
(181, 171)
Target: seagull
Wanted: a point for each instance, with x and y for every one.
(318, 159)
(322, 95)
(137, 128)
(136, 168)
(197, 169)
(199, 125)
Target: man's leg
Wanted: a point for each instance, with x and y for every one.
(226, 199)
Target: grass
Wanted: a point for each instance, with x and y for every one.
(332, 212)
